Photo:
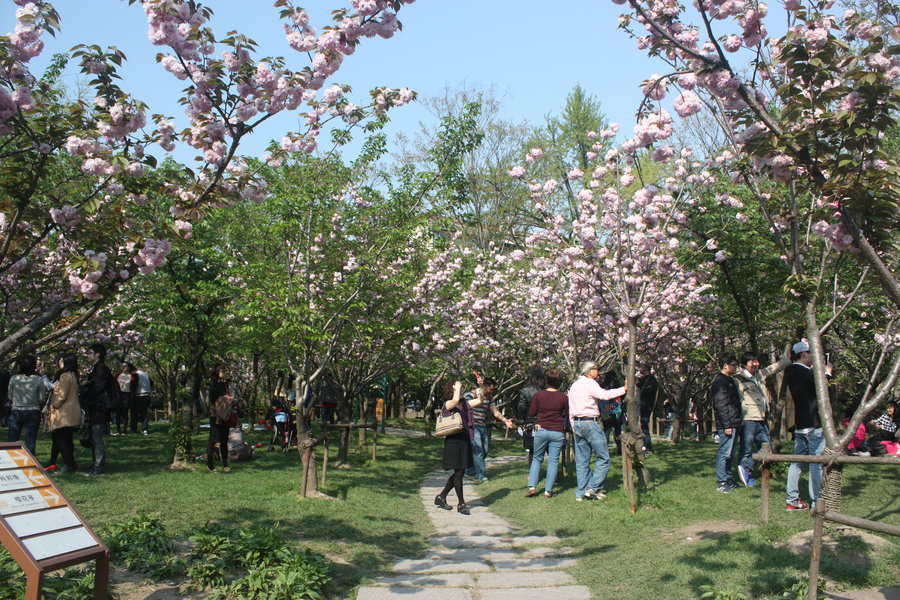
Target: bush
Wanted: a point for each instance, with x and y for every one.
(141, 544)
(258, 564)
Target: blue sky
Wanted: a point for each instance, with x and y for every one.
(531, 52)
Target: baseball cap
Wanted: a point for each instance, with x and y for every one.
(801, 346)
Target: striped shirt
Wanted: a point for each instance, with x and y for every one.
(480, 412)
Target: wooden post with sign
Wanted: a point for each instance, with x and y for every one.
(39, 527)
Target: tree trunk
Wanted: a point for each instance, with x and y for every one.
(309, 485)
(832, 481)
(362, 435)
(634, 439)
(184, 447)
(345, 410)
(430, 403)
(344, 447)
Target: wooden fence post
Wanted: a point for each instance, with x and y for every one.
(816, 554)
(324, 460)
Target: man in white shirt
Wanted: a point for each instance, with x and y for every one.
(587, 428)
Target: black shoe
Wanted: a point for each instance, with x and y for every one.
(463, 509)
(441, 502)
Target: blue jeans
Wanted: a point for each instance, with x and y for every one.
(26, 421)
(480, 446)
(755, 434)
(590, 437)
(544, 438)
(724, 456)
(810, 442)
(98, 449)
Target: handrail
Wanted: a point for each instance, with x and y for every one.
(818, 511)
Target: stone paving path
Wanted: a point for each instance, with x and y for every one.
(478, 557)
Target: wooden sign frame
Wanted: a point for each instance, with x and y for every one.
(37, 520)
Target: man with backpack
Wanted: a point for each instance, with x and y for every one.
(99, 396)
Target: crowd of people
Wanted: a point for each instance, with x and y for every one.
(553, 413)
(67, 404)
(590, 410)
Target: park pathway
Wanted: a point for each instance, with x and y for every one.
(478, 557)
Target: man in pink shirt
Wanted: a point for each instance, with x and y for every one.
(588, 430)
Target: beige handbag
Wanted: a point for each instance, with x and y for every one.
(448, 424)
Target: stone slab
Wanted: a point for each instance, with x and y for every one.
(543, 551)
(526, 579)
(533, 564)
(461, 580)
(473, 530)
(471, 541)
(472, 554)
(567, 592)
(440, 566)
(454, 519)
(412, 593)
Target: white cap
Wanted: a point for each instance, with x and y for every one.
(801, 347)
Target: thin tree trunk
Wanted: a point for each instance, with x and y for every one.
(309, 485)
(832, 482)
(430, 403)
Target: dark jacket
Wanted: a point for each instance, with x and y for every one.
(526, 395)
(726, 402)
(801, 385)
(97, 389)
(647, 389)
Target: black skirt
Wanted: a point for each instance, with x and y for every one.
(458, 451)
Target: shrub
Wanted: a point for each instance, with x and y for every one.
(258, 564)
(141, 544)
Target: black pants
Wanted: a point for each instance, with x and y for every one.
(455, 481)
(218, 443)
(63, 445)
(122, 412)
(645, 428)
(139, 406)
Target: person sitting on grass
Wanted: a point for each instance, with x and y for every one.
(885, 426)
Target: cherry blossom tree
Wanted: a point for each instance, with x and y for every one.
(78, 173)
(807, 109)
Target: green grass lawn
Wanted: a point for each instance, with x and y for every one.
(379, 517)
(648, 555)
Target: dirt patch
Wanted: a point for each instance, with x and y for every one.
(131, 586)
(845, 544)
(705, 531)
(886, 593)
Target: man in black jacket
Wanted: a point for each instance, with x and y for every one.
(97, 397)
(647, 390)
(808, 437)
(727, 406)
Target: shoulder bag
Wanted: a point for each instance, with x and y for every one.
(448, 423)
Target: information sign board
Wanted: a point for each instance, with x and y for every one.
(39, 527)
